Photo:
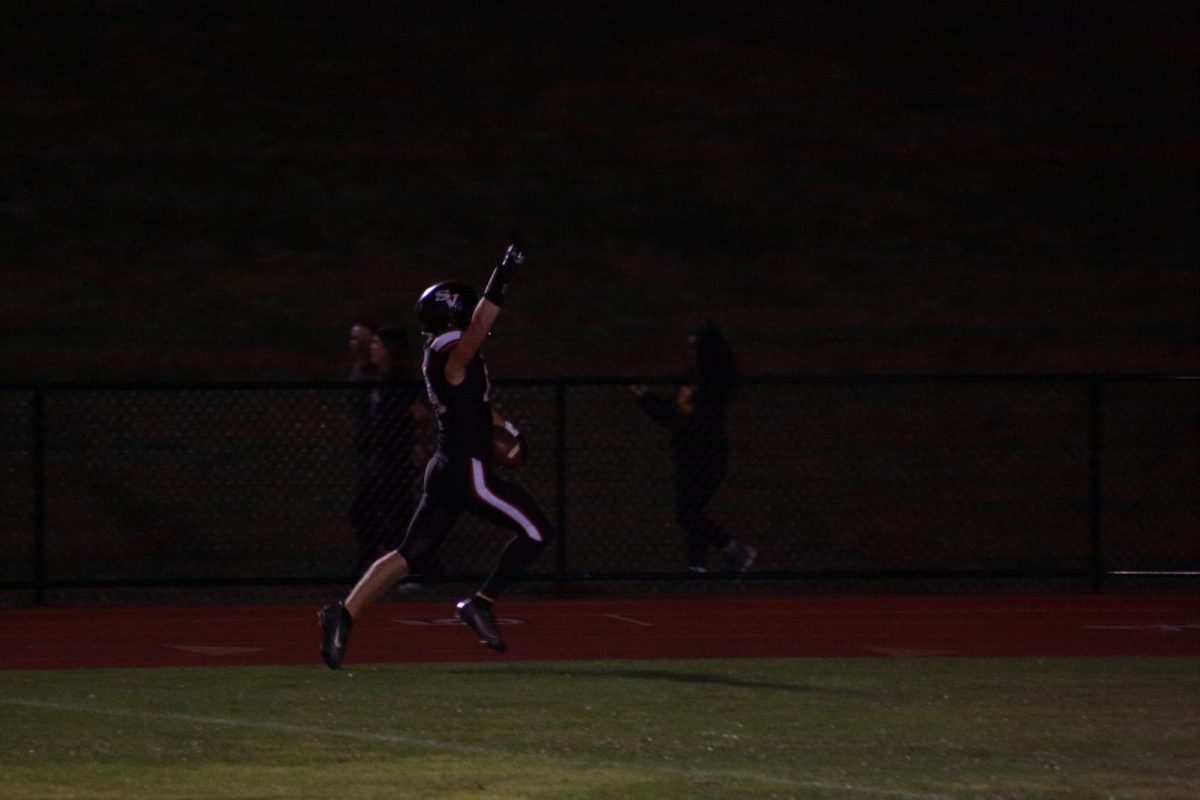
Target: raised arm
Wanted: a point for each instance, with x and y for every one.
(484, 317)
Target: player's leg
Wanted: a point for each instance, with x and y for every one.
(337, 620)
(432, 521)
(429, 525)
(509, 506)
(387, 570)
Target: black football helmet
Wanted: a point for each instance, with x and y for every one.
(446, 302)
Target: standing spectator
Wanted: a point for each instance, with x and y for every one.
(362, 370)
(384, 436)
(361, 334)
(699, 445)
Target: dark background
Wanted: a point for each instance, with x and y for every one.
(205, 190)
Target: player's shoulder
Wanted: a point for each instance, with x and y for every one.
(444, 343)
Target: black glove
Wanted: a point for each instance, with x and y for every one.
(513, 257)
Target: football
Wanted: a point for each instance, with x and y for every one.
(508, 448)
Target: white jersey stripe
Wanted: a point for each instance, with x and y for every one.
(478, 478)
(449, 337)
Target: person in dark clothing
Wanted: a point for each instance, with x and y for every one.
(361, 334)
(459, 476)
(383, 415)
(699, 445)
(362, 371)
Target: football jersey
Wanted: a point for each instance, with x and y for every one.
(463, 412)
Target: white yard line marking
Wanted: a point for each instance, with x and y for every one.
(909, 652)
(213, 650)
(630, 620)
(455, 747)
(1171, 572)
(450, 622)
(1159, 627)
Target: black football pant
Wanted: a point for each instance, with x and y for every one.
(453, 486)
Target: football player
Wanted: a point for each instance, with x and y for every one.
(459, 476)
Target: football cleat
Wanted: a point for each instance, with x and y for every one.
(335, 625)
(478, 618)
(748, 557)
(740, 557)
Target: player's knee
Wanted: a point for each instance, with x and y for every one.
(398, 563)
(538, 545)
(544, 535)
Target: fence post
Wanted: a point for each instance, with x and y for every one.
(560, 474)
(1095, 485)
(39, 498)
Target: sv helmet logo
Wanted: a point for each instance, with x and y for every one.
(451, 299)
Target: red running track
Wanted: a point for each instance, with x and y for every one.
(877, 625)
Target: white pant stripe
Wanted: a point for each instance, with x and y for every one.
(508, 509)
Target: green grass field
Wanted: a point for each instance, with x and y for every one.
(814, 728)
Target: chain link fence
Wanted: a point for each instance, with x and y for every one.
(148, 489)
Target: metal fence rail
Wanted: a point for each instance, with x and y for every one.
(1086, 477)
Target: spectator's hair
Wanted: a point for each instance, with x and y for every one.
(716, 369)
